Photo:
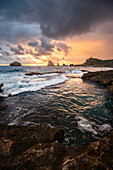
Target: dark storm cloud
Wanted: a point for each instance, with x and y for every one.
(19, 50)
(46, 44)
(63, 47)
(5, 55)
(58, 18)
(43, 47)
(33, 44)
(58, 49)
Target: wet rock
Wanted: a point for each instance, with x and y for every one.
(23, 147)
(39, 148)
(15, 64)
(40, 73)
(110, 88)
(3, 107)
(5, 146)
(97, 155)
(103, 77)
(1, 85)
(25, 137)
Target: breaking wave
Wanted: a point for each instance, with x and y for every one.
(21, 83)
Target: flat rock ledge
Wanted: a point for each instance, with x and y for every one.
(103, 77)
(40, 73)
(23, 148)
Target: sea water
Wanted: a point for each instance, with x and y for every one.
(83, 109)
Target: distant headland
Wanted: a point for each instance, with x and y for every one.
(98, 63)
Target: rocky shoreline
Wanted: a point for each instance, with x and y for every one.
(104, 78)
(40, 147)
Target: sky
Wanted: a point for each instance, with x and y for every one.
(64, 31)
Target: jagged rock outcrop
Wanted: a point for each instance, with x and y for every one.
(39, 148)
(97, 155)
(98, 63)
(15, 64)
(50, 63)
(30, 147)
(103, 77)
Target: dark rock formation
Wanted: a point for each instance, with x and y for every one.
(1, 85)
(71, 65)
(63, 64)
(97, 155)
(2, 106)
(39, 148)
(103, 77)
(98, 63)
(29, 147)
(15, 64)
(39, 73)
(50, 63)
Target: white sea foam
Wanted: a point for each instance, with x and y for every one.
(87, 126)
(77, 71)
(105, 128)
(18, 84)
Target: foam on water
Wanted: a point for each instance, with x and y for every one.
(77, 71)
(19, 83)
(87, 126)
(82, 109)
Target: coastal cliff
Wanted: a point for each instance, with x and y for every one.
(98, 63)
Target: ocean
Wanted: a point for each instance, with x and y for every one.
(83, 109)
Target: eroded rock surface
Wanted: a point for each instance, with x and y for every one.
(103, 77)
(39, 148)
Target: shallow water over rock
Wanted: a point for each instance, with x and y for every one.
(82, 109)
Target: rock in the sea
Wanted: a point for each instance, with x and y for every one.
(50, 63)
(40, 73)
(15, 64)
(1, 85)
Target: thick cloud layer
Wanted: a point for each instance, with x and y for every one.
(57, 18)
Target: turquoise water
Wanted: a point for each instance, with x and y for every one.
(83, 109)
